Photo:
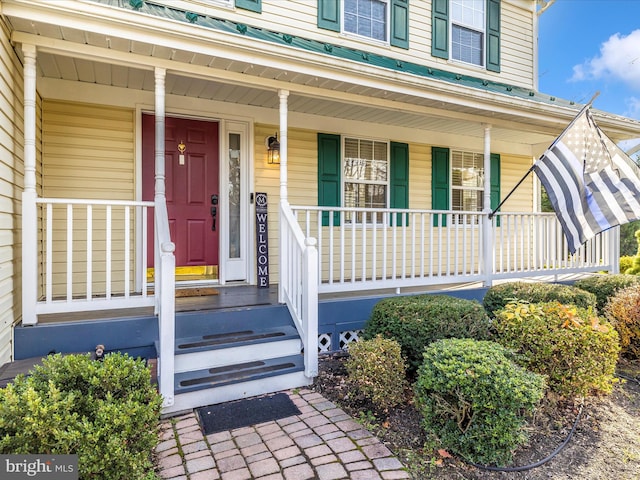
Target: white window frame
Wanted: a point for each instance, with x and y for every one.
(344, 180)
(483, 31)
(387, 26)
(453, 187)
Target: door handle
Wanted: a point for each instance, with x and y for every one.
(214, 213)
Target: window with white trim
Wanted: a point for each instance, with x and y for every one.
(365, 175)
(467, 181)
(468, 31)
(366, 18)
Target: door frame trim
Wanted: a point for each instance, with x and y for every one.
(224, 206)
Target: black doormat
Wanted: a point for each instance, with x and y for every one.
(242, 413)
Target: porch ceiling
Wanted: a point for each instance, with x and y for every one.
(84, 55)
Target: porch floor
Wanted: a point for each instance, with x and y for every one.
(226, 297)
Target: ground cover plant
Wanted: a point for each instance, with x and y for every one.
(106, 412)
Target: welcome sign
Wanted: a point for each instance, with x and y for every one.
(262, 240)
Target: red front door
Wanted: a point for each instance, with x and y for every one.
(191, 187)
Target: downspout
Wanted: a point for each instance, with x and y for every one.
(284, 202)
(29, 195)
(487, 224)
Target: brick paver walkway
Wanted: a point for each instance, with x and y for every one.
(323, 443)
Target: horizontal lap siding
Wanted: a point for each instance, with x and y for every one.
(299, 18)
(11, 185)
(302, 188)
(88, 153)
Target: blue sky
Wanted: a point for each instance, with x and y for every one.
(591, 45)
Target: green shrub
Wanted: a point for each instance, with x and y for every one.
(623, 311)
(499, 295)
(377, 370)
(417, 320)
(626, 262)
(572, 346)
(476, 398)
(606, 286)
(105, 412)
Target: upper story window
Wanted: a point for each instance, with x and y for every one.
(367, 18)
(380, 20)
(467, 31)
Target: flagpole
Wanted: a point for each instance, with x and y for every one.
(586, 105)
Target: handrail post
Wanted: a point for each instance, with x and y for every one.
(167, 323)
(614, 249)
(487, 224)
(310, 307)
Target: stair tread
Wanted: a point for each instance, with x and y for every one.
(212, 341)
(254, 370)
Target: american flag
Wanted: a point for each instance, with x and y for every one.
(592, 184)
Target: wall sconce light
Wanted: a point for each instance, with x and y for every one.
(273, 149)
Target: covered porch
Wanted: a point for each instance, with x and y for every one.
(92, 252)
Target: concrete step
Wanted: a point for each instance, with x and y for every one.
(241, 346)
(222, 384)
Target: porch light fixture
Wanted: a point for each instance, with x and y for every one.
(273, 149)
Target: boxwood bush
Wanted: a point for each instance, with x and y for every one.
(623, 311)
(476, 398)
(572, 346)
(377, 370)
(605, 286)
(415, 321)
(105, 412)
(499, 295)
(625, 263)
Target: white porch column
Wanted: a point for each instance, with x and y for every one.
(160, 75)
(487, 230)
(284, 202)
(29, 195)
(284, 95)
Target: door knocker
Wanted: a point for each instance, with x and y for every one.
(181, 148)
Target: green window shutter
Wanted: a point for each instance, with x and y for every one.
(329, 167)
(399, 178)
(493, 35)
(439, 181)
(400, 23)
(440, 28)
(253, 5)
(329, 14)
(495, 182)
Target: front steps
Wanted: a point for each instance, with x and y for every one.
(226, 355)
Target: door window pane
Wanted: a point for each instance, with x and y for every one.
(234, 195)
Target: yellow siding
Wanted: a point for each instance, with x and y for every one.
(299, 17)
(11, 182)
(303, 191)
(88, 152)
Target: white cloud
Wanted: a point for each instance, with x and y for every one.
(632, 105)
(619, 59)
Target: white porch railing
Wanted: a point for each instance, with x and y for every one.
(89, 263)
(365, 249)
(529, 244)
(89, 256)
(165, 301)
(299, 284)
